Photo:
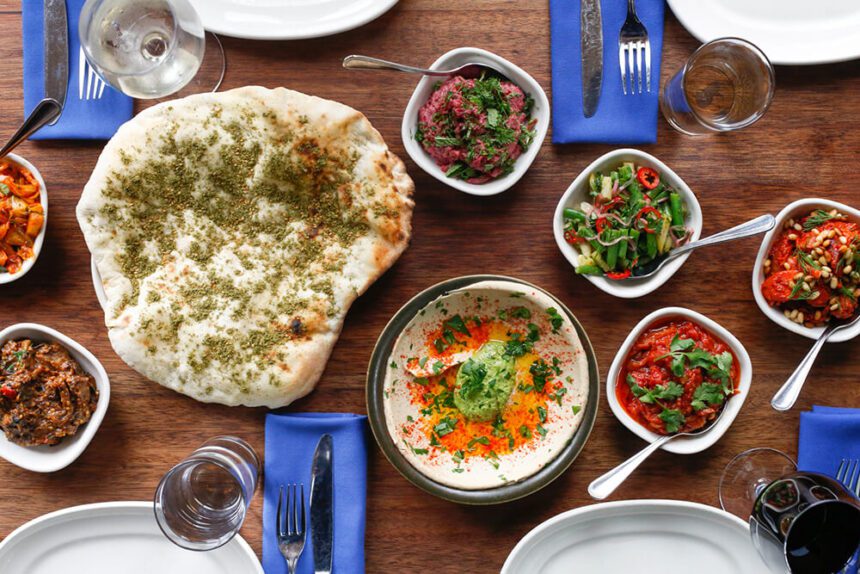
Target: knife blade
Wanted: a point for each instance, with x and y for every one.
(591, 42)
(56, 45)
(322, 505)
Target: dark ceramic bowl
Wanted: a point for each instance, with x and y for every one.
(376, 408)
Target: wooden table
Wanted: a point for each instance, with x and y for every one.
(807, 145)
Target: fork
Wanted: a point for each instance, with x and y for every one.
(849, 475)
(95, 86)
(632, 41)
(291, 524)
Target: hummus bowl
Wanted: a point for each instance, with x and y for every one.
(578, 192)
(482, 389)
(540, 112)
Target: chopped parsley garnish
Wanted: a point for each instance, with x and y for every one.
(521, 313)
(540, 372)
(445, 426)
(555, 319)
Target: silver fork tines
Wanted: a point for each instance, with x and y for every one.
(90, 85)
(291, 524)
(632, 42)
(849, 474)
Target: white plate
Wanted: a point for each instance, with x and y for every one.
(113, 538)
(54, 458)
(788, 31)
(287, 19)
(797, 209)
(641, 536)
(578, 192)
(684, 444)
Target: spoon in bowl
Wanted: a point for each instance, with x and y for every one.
(787, 395)
(602, 486)
(467, 70)
(761, 224)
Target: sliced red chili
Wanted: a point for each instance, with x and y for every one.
(648, 177)
(619, 275)
(645, 211)
(571, 237)
(601, 224)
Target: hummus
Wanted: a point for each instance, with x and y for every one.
(476, 128)
(505, 385)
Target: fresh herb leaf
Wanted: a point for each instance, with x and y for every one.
(521, 313)
(555, 319)
(525, 432)
(818, 217)
(540, 372)
(541, 414)
(445, 426)
(672, 419)
(708, 394)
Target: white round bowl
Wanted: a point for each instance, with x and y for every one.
(797, 209)
(40, 239)
(684, 444)
(422, 93)
(54, 458)
(578, 192)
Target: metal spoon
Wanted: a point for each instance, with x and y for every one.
(469, 69)
(761, 224)
(787, 395)
(44, 113)
(602, 486)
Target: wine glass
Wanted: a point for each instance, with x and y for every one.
(800, 522)
(149, 49)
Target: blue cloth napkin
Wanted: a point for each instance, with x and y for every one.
(94, 119)
(290, 443)
(620, 119)
(827, 435)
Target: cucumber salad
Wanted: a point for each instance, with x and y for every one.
(632, 221)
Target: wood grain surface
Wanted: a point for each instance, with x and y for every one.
(806, 145)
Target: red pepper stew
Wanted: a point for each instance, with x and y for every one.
(677, 377)
(811, 270)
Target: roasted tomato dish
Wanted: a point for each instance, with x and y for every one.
(811, 269)
(677, 377)
(21, 216)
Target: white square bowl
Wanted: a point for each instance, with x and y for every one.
(422, 93)
(796, 210)
(578, 192)
(40, 239)
(684, 444)
(54, 458)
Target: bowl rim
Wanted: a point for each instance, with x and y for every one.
(40, 239)
(62, 455)
(773, 313)
(376, 411)
(693, 444)
(631, 288)
(523, 163)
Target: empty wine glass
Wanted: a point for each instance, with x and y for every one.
(200, 504)
(149, 48)
(800, 522)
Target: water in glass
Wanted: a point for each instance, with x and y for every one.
(727, 84)
(200, 503)
(144, 48)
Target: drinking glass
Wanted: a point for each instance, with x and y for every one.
(149, 48)
(727, 84)
(200, 504)
(800, 522)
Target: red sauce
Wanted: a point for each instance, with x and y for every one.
(649, 364)
(811, 275)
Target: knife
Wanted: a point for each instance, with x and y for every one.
(591, 38)
(322, 502)
(56, 45)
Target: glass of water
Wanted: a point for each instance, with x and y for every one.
(147, 48)
(200, 504)
(727, 84)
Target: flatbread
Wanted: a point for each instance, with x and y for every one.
(411, 413)
(233, 231)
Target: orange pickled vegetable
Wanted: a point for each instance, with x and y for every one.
(21, 215)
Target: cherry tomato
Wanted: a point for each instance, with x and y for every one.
(648, 177)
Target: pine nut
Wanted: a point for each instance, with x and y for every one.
(847, 269)
(834, 283)
(792, 236)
